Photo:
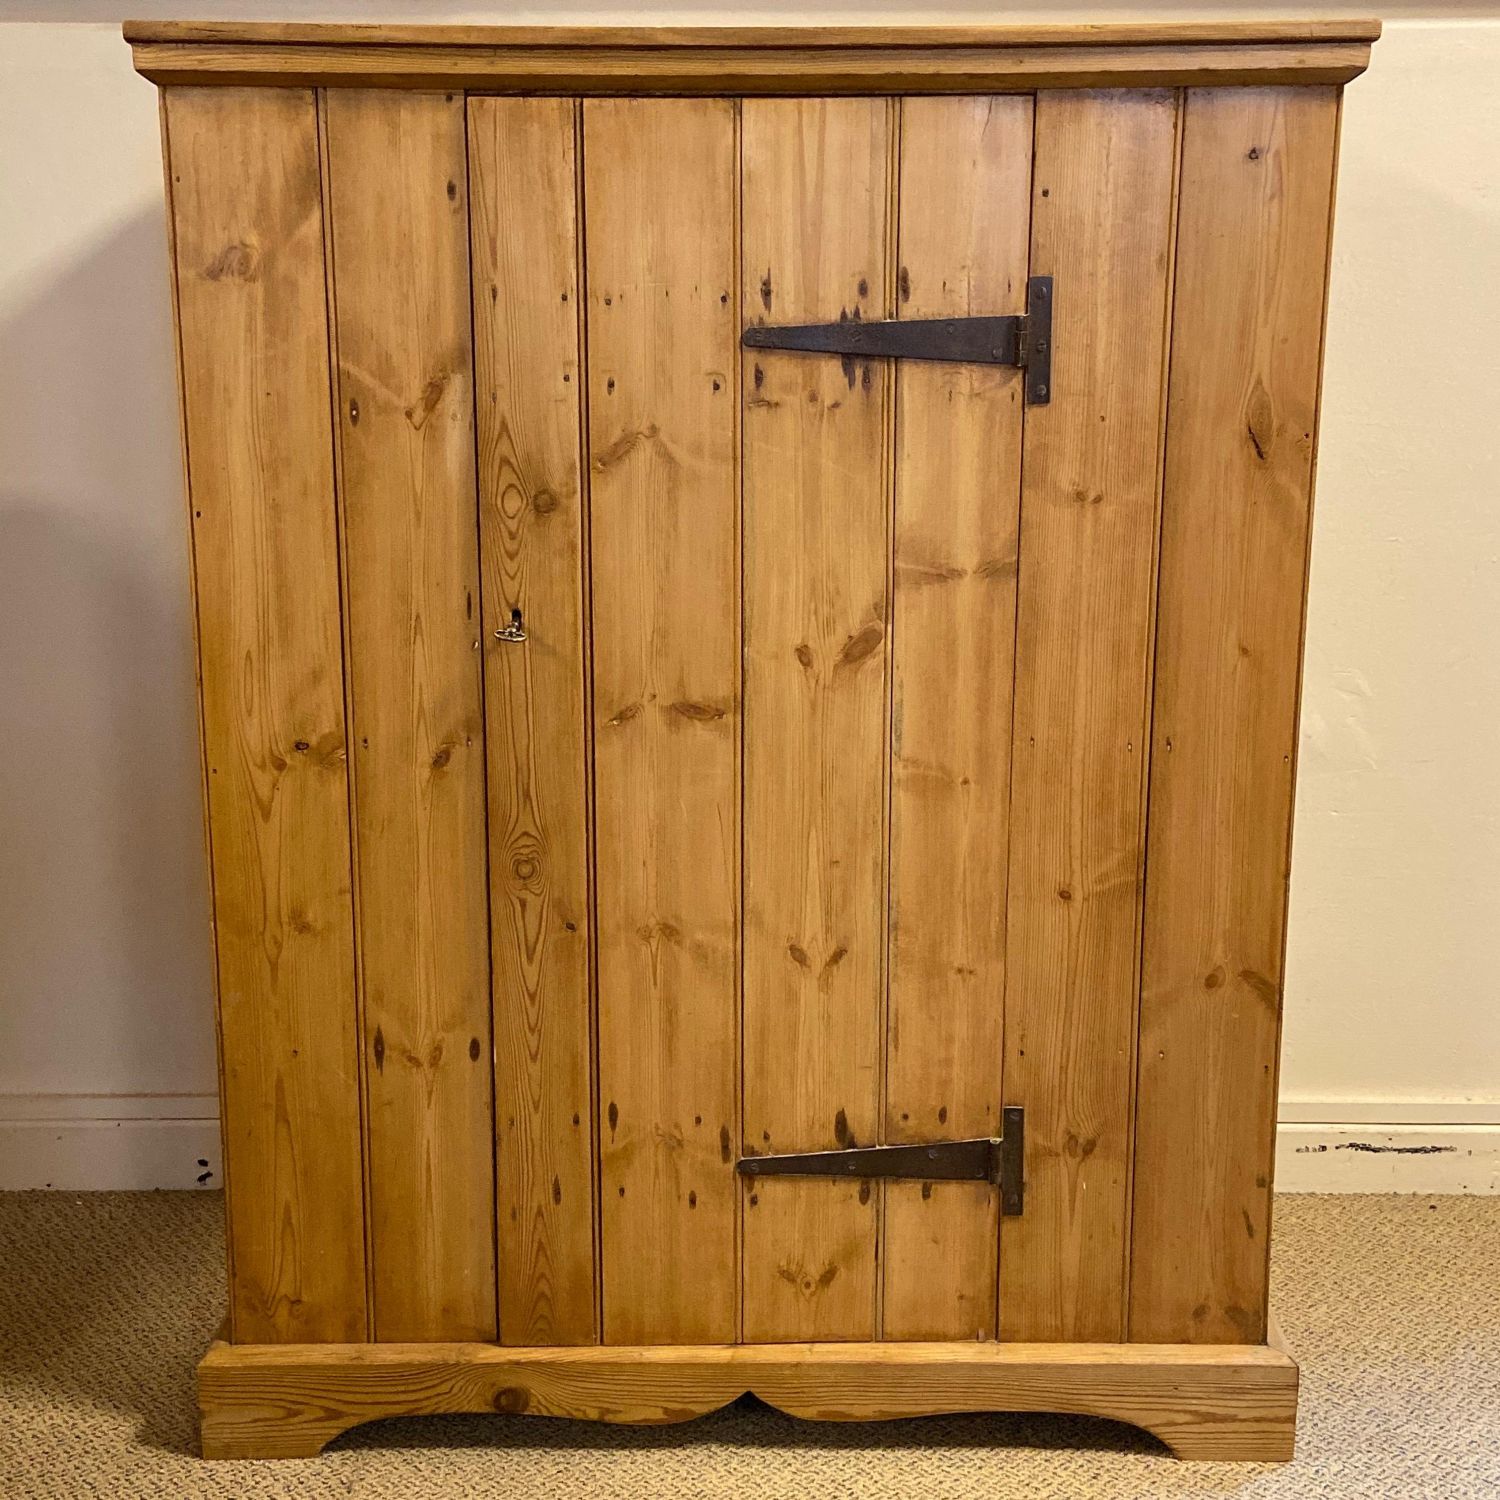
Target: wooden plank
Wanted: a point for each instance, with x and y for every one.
(1205, 1401)
(1101, 227)
(817, 553)
(344, 631)
(1159, 32)
(522, 183)
(855, 69)
(197, 616)
(1257, 180)
(253, 326)
(965, 237)
(660, 201)
(397, 191)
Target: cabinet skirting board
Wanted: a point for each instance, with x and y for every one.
(1207, 1401)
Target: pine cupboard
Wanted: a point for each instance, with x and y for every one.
(749, 590)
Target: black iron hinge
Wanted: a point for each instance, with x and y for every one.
(1024, 340)
(996, 1159)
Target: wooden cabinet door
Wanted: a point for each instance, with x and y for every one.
(879, 578)
(948, 602)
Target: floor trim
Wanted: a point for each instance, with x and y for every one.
(1387, 1158)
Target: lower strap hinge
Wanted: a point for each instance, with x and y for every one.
(995, 1159)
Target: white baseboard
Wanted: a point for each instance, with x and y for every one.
(1384, 1158)
(112, 1142)
(136, 1142)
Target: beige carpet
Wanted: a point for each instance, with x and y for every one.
(1392, 1305)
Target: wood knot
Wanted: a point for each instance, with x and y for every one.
(236, 262)
(1080, 1150)
(1267, 989)
(861, 644)
(804, 1280)
(425, 404)
(703, 713)
(1260, 421)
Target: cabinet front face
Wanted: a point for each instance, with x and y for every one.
(630, 753)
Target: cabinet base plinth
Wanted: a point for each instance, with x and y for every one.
(1208, 1401)
(1205, 1401)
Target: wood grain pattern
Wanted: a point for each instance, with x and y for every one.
(1101, 227)
(1159, 32)
(817, 554)
(397, 183)
(660, 201)
(248, 233)
(965, 238)
(523, 163)
(1257, 178)
(1206, 1402)
(860, 61)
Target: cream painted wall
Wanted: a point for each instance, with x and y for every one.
(1393, 981)
(1392, 1013)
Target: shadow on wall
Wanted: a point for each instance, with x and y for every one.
(104, 949)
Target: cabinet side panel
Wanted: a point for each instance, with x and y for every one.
(965, 211)
(248, 229)
(1101, 227)
(1257, 180)
(817, 195)
(522, 184)
(398, 199)
(660, 257)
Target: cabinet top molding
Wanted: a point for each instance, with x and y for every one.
(751, 59)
